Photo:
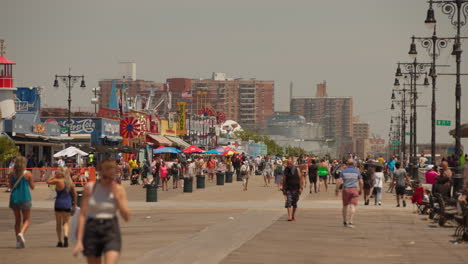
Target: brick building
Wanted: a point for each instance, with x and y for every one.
(361, 130)
(334, 114)
(249, 102)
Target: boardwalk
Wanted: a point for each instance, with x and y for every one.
(223, 224)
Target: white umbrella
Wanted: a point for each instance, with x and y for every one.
(70, 152)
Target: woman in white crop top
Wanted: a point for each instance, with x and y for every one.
(98, 228)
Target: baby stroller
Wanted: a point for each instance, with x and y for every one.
(418, 199)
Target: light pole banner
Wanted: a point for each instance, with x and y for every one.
(181, 125)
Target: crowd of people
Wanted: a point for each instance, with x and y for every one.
(98, 232)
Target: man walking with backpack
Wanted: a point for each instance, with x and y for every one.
(293, 185)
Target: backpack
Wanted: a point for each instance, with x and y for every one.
(174, 170)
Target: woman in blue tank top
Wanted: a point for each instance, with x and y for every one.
(20, 183)
(65, 203)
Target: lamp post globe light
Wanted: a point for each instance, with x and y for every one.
(457, 12)
(69, 81)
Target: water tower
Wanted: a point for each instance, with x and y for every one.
(7, 103)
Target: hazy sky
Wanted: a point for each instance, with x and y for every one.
(353, 45)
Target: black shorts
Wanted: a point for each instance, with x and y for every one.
(313, 178)
(68, 210)
(100, 236)
(400, 190)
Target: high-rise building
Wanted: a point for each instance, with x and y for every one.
(249, 102)
(360, 130)
(334, 114)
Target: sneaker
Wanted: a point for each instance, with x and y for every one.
(380, 203)
(59, 244)
(398, 205)
(404, 203)
(18, 244)
(350, 225)
(21, 240)
(289, 219)
(345, 224)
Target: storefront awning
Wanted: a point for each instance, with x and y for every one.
(179, 142)
(33, 141)
(159, 139)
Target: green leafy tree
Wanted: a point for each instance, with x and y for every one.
(8, 149)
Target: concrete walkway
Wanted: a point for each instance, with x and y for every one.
(223, 224)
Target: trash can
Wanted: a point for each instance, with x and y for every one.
(79, 198)
(229, 175)
(219, 178)
(188, 185)
(200, 182)
(151, 193)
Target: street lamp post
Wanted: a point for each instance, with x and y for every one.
(69, 80)
(415, 70)
(433, 45)
(457, 11)
(403, 91)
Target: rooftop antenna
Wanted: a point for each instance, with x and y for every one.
(2, 47)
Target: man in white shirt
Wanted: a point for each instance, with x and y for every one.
(61, 162)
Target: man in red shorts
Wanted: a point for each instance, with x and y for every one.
(350, 178)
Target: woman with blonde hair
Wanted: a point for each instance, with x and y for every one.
(65, 203)
(98, 232)
(20, 183)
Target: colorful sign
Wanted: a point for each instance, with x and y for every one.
(181, 125)
(166, 129)
(39, 128)
(129, 127)
(78, 125)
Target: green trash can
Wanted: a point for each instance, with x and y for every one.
(229, 175)
(200, 182)
(188, 185)
(151, 193)
(79, 198)
(219, 178)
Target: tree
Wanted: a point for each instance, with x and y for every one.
(8, 149)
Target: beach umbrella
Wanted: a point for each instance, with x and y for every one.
(70, 152)
(193, 149)
(213, 152)
(166, 150)
(229, 153)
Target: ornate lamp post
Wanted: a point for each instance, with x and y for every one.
(457, 11)
(433, 45)
(415, 70)
(69, 80)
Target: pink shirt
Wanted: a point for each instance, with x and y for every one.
(431, 176)
(163, 171)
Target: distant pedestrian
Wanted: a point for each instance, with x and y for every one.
(323, 174)
(267, 170)
(350, 178)
(245, 174)
(304, 169)
(65, 203)
(164, 174)
(20, 184)
(279, 174)
(367, 174)
(313, 170)
(401, 180)
(98, 232)
(292, 188)
(211, 168)
(391, 170)
(175, 173)
(378, 179)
